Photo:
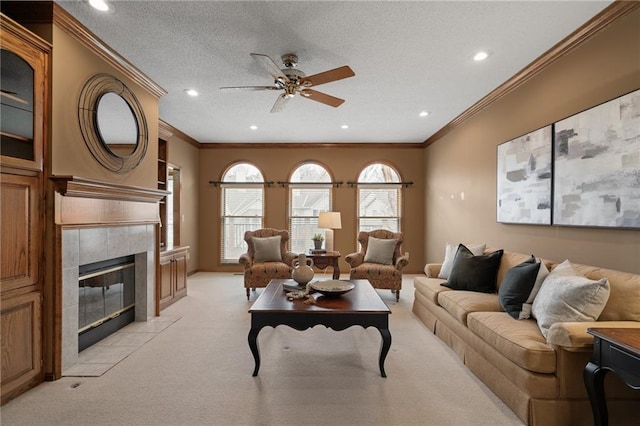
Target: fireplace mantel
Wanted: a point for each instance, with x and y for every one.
(80, 202)
(74, 186)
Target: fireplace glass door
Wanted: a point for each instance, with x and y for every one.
(106, 292)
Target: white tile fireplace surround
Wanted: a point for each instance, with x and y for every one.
(81, 246)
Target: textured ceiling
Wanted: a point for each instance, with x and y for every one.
(408, 57)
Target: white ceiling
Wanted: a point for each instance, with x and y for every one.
(408, 57)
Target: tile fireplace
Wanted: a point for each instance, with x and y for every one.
(97, 222)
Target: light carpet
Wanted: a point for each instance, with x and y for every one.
(198, 372)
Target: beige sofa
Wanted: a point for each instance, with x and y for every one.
(540, 380)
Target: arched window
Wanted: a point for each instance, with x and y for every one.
(379, 198)
(242, 208)
(309, 194)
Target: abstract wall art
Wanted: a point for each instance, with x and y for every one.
(597, 166)
(524, 179)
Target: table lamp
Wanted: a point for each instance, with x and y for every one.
(329, 221)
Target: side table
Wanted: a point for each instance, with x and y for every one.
(617, 350)
(322, 260)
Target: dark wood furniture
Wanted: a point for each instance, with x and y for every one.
(173, 276)
(323, 260)
(617, 350)
(361, 306)
(23, 132)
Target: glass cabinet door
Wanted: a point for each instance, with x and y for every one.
(16, 107)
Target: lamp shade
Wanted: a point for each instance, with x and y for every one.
(329, 220)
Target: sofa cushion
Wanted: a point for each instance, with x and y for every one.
(450, 253)
(517, 285)
(461, 303)
(475, 273)
(429, 287)
(267, 249)
(568, 296)
(519, 341)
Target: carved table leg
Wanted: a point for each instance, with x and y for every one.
(384, 348)
(253, 344)
(594, 381)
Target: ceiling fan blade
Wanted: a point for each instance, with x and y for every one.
(271, 67)
(254, 88)
(322, 97)
(280, 103)
(328, 76)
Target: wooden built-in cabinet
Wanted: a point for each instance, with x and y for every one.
(24, 82)
(173, 276)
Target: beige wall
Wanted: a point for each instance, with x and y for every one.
(185, 156)
(344, 164)
(464, 161)
(73, 64)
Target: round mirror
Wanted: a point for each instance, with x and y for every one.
(117, 125)
(112, 123)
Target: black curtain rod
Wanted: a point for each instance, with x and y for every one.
(218, 182)
(337, 184)
(403, 184)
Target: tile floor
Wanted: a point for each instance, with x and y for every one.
(99, 358)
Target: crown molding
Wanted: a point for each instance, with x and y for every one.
(9, 25)
(616, 10)
(75, 29)
(313, 145)
(166, 131)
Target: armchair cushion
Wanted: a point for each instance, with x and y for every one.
(380, 251)
(267, 249)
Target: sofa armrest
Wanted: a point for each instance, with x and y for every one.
(573, 335)
(245, 260)
(432, 269)
(354, 259)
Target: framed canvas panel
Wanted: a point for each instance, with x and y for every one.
(524, 179)
(597, 166)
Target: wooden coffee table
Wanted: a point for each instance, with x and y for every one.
(361, 306)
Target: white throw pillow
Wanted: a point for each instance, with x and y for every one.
(450, 253)
(380, 251)
(542, 275)
(568, 296)
(267, 249)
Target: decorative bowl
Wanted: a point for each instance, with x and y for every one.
(332, 287)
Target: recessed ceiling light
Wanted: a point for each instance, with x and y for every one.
(253, 127)
(100, 5)
(344, 126)
(191, 92)
(424, 113)
(480, 56)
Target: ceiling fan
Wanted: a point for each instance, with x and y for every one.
(293, 81)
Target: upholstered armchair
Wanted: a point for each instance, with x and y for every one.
(379, 260)
(266, 258)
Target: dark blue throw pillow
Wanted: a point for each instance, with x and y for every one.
(474, 273)
(517, 285)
